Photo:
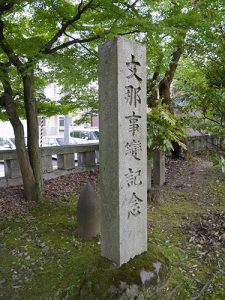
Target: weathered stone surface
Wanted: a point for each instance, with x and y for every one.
(12, 169)
(65, 161)
(139, 279)
(46, 163)
(86, 159)
(123, 157)
(159, 167)
(149, 174)
(88, 213)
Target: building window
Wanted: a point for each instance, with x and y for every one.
(61, 122)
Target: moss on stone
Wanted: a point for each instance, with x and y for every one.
(107, 281)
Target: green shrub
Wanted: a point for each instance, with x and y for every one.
(163, 128)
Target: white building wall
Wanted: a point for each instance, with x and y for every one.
(50, 125)
(6, 129)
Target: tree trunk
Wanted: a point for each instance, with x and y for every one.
(32, 121)
(23, 159)
(164, 91)
(24, 163)
(165, 87)
(32, 130)
(152, 89)
(165, 83)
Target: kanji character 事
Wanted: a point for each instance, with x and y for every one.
(133, 126)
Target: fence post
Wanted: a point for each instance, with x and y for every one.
(86, 159)
(46, 163)
(66, 161)
(159, 167)
(12, 169)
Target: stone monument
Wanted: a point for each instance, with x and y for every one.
(123, 149)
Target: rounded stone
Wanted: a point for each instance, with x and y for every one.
(88, 213)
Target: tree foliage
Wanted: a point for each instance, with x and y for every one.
(42, 41)
(163, 129)
(46, 41)
(200, 85)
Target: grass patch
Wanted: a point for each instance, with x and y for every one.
(196, 270)
(42, 256)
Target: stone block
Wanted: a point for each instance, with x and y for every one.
(159, 167)
(149, 174)
(66, 161)
(12, 169)
(46, 163)
(86, 159)
(123, 149)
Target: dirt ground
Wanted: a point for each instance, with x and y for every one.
(189, 176)
(202, 185)
(182, 175)
(12, 202)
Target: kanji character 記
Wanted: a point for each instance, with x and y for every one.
(133, 178)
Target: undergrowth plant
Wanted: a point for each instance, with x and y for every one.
(163, 129)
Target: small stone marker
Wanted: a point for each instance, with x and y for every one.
(88, 213)
(123, 149)
(159, 167)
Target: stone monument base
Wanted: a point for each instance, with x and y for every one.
(140, 278)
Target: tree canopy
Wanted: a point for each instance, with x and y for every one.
(56, 41)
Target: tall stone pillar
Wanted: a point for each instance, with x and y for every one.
(123, 149)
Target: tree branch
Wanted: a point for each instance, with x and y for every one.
(13, 58)
(86, 48)
(82, 41)
(213, 120)
(131, 6)
(74, 41)
(165, 83)
(5, 80)
(90, 51)
(2, 101)
(174, 61)
(152, 91)
(80, 10)
(129, 32)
